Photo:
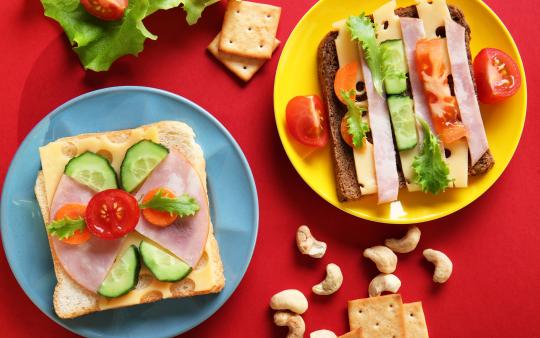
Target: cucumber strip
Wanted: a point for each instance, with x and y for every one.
(92, 170)
(403, 121)
(141, 158)
(123, 276)
(394, 66)
(164, 266)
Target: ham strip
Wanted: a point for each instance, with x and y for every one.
(186, 237)
(87, 263)
(413, 30)
(383, 142)
(464, 89)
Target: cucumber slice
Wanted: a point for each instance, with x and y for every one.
(141, 158)
(394, 66)
(92, 170)
(164, 266)
(123, 276)
(403, 121)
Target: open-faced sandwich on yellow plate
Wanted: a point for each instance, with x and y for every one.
(128, 218)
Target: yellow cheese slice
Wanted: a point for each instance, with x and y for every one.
(347, 51)
(458, 163)
(433, 15)
(387, 23)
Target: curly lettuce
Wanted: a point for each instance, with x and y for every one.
(99, 43)
(356, 126)
(363, 31)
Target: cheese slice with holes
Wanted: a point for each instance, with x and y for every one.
(434, 15)
(347, 51)
(387, 24)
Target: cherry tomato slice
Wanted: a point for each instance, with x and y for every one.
(112, 213)
(305, 117)
(108, 10)
(73, 211)
(345, 132)
(158, 218)
(497, 75)
(346, 79)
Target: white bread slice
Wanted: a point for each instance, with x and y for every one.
(71, 300)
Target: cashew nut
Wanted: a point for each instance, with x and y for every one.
(322, 334)
(294, 322)
(307, 244)
(384, 258)
(332, 282)
(405, 244)
(382, 283)
(443, 265)
(292, 300)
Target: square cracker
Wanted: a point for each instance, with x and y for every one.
(242, 67)
(356, 333)
(378, 316)
(415, 321)
(249, 29)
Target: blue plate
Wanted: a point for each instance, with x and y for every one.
(235, 217)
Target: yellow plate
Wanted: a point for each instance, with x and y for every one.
(297, 75)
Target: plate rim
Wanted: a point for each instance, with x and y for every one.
(155, 91)
(343, 205)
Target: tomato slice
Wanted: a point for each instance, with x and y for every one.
(433, 69)
(305, 118)
(158, 218)
(112, 213)
(346, 79)
(108, 10)
(73, 211)
(497, 75)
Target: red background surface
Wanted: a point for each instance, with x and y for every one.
(494, 243)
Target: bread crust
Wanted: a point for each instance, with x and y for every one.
(347, 187)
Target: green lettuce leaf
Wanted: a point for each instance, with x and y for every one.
(184, 205)
(363, 31)
(357, 128)
(429, 166)
(65, 227)
(194, 9)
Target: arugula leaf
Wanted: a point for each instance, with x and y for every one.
(65, 227)
(357, 128)
(430, 168)
(362, 30)
(184, 205)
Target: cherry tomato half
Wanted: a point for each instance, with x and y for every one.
(112, 213)
(73, 211)
(306, 120)
(497, 75)
(108, 10)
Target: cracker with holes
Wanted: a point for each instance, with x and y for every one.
(415, 321)
(249, 29)
(378, 316)
(241, 66)
(356, 333)
(127, 218)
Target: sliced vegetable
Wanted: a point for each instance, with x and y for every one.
(433, 69)
(305, 119)
(403, 121)
(497, 75)
(141, 158)
(163, 265)
(161, 207)
(394, 66)
(108, 10)
(429, 166)
(68, 224)
(345, 81)
(362, 30)
(92, 170)
(112, 213)
(123, 275)
(356, 127)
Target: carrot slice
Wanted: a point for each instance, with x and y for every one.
(346, 79)
(158, 218)
(73, 211)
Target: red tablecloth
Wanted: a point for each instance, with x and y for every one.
(494, 243)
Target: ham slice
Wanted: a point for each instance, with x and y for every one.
(87, 263)
(413, 30)
(186, 237)
(464, 89)
(383, 142)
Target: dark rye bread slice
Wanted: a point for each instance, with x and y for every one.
(347, 186)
